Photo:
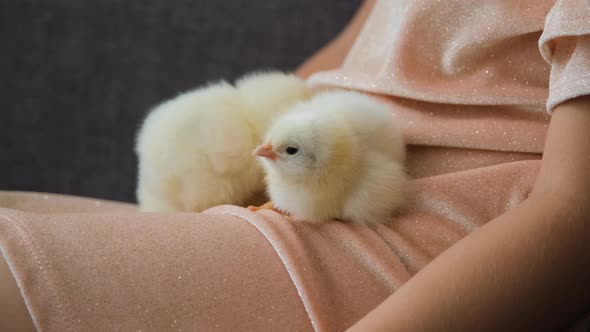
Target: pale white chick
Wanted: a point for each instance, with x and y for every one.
(336, 156)
(194, 150)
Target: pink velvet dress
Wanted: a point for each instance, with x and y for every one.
(470, 83)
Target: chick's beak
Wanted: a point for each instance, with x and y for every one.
(265, 151)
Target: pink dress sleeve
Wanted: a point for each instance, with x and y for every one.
(565, 44)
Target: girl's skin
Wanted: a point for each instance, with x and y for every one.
(525, 270)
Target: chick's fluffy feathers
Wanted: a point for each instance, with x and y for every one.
(194, 150)
(357, 173)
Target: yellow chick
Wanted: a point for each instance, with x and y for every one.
(194, 150)
(336, 156)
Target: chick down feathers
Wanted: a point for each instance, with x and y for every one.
(337, 156)
(194, 150)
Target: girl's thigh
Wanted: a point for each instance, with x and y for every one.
(133, 271)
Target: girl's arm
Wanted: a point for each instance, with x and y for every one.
(528, 269)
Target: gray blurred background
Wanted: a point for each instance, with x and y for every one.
(77, 77)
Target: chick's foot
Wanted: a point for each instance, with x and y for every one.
(266, 206)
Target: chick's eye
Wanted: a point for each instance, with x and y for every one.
(291, 150)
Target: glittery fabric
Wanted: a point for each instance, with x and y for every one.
(483, 52)
(468, 85)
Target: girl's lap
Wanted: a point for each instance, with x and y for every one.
(107, 266)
